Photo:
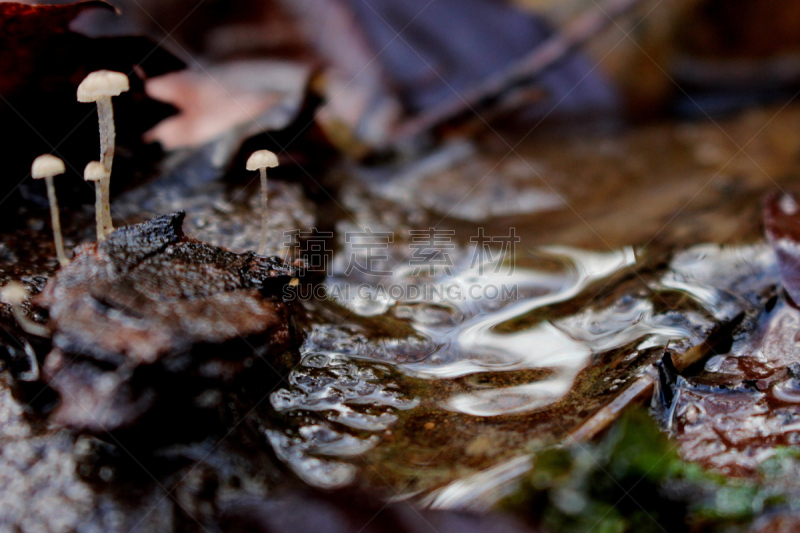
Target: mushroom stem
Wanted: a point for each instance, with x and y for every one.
(262, 247)
(97, 173)
(99, 87)
(14, 294)
(98, 210)
(48, 166)
(261, 160)
(105, 117)
(56, 221)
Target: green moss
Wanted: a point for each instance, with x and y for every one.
(634, 481)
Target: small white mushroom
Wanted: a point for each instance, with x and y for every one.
(15, 294)
(96, 172)
(99, 87)
(262, 160)
(48, 166)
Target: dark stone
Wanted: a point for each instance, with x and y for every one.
(348, 510)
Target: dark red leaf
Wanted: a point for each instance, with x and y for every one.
(782, 226)
(42, 62)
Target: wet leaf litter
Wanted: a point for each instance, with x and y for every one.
(438, 399)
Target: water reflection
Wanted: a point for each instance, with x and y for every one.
(368, 360)
(331, 395)
(477, 347)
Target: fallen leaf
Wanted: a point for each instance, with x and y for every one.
(222, 97)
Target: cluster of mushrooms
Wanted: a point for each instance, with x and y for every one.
(99, 87)
(131, 316)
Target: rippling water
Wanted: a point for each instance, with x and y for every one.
(483, 373)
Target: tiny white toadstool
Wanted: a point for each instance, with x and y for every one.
(48, 166)
(14, 294)
(99, 87)
(96, 172)
(262, 160)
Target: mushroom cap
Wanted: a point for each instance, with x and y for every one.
(47, 166)
(262, 159)
(13, 293)
(95, 171)
(102, 83)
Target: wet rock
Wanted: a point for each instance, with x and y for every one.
(150, 316)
